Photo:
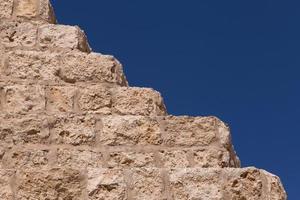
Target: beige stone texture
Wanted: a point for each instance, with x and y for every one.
(138, 101)
(175, 158)
(6, 8)
(213, 157)
(95, 99)
(131, 159)
(53, 36)
(21, 158)
(26, 8)
(93, 67)
(6, 191)
(32, 65)
(147, 184)
(14, 33)
(230, 183)
(108, 184)
(29, 129)
(22, 99)
(74, 130)
(60, 99)
(190, 131)
(79, 158)
(130, 130)
(52, 184)
(34, 9)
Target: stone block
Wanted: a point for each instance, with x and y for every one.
(52, 184)
(95, 99)
(93, 67)
(174, 158)
(190, 131)
(6, 8)
(26, 8)
(6, 191)
(21, 158)
(147, 183)
(130, 130)
(18, 34)
(60, 99)
(131, 159)
(212, 157)
(227, 183)
(29, 129)
(138, 101)
(196, 183)
(74, 130)
(32, 65)
(22, 99)
(62, 36)
(79, 158)
(34, 9)
(108, 184)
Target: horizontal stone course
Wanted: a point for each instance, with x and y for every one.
(141, 183)
(33, 98)
(66, 67)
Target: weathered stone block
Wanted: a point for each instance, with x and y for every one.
(50, 184)
(21, 99)
(196, 183)
(131, 159)
(27, 158)
(212, 157)
(174, 159)
(26, 8)
(6, 8)
(79, 158)
(24, 129)
(147, 183)
(62, 36)
(190, 131)
(95, 99)
(138, 101)
(6, 191)
(32, 65)
(227, 183)
(34, 9)
(13, 33)
(130, 130)
(75, 130)
(78, 66)
(108, 184)
(60, 98)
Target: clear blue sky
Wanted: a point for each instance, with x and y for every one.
(238, 60)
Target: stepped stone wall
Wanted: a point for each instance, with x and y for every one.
(72, 128)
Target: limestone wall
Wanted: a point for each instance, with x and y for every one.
(72, 128)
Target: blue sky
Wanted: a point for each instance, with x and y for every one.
(237, 60)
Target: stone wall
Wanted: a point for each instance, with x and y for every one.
(72, 128)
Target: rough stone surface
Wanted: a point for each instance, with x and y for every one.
(71, 128)
(130, 130)
(138, 101)
(61, 36)
(6, 8)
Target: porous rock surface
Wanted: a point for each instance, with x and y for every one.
(72, 128)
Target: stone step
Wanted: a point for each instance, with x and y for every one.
(25, 10)
(101, 99)
(66, 67)
(140, 183)
(130, 141)
(36, 36)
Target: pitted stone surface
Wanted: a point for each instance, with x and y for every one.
(72, 128)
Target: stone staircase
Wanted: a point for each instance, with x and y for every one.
(72, 129)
